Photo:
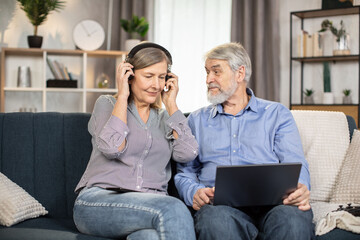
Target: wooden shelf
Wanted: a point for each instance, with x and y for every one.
(86, 64)
(348, 109)
(327, 13)
(342, 58)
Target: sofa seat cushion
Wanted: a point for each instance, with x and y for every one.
(338, 234)
(44, 228)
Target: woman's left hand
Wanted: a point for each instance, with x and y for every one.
(169, 97)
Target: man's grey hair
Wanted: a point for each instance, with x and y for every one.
(235, 54)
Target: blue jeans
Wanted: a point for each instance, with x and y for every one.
(279, 222)
(106, 213)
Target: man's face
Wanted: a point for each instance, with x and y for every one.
(220, 80)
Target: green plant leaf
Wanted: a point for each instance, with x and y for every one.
(135, 25)
(38, 10)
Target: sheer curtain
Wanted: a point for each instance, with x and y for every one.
(188, 29)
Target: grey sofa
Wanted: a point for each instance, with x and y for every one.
(46, 154)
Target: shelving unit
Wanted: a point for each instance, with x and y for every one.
(85, 66)
(349, 109)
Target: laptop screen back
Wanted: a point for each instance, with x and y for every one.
(255, 185)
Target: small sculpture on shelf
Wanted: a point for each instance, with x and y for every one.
(347, 98)
(342, 38)
(328, 97)
(309, 99)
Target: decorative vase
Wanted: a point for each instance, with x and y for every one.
(103, 81)
(34, 41)
(24, 77)
(130, 43)
(342, 45)
(328, 98)
(309, 100)
(347, 100)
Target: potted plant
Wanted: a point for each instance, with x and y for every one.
(309, 96)
(37, 12)
(347, 98)
(136, 27)
(341, 40)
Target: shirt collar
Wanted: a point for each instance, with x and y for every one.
(252, 105)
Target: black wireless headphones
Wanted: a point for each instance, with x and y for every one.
(140, 46)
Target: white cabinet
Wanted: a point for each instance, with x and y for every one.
(85, 67)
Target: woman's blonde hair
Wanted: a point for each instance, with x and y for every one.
(145, 58)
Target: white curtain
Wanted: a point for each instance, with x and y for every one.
(188, 29)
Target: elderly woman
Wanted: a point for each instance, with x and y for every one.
(123, 191)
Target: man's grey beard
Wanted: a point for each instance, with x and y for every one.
(223, 95)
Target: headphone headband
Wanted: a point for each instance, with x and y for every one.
(140, 46)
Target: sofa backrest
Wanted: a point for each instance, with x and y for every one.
(46, 154)
(325, 138)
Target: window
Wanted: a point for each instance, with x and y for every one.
(188, 29)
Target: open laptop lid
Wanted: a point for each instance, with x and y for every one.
(255, 185)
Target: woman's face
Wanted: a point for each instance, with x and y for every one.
(147, 84)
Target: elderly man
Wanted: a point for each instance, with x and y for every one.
(240, 129)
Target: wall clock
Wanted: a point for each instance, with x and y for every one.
(88, 35)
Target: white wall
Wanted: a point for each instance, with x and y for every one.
(343, 75)
(57, 32)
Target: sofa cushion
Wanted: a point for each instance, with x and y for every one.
(347, 188)
(325, 138)
(16, 204)
(44, 228)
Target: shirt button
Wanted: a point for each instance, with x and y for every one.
(125, 132)
(137, 187)
(234, 135)
(234, 150)
(146, 151)
(194, 152)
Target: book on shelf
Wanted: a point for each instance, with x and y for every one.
(58, 69)
(305, 44)
(52, 68)
(318, 45)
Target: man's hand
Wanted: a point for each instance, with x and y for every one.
(300, 197)
(202, 196)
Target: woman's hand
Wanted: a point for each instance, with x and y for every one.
(169, 97)
(123, 72)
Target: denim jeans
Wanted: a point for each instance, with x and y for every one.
(106, 213)
(270, 223)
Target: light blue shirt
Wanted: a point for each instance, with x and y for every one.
(264, 132)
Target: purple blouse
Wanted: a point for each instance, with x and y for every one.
(144, 164)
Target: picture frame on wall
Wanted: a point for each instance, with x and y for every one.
(331, 4)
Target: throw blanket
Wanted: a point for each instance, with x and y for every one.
(339, 219)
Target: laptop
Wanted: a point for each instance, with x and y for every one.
(255, 185)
